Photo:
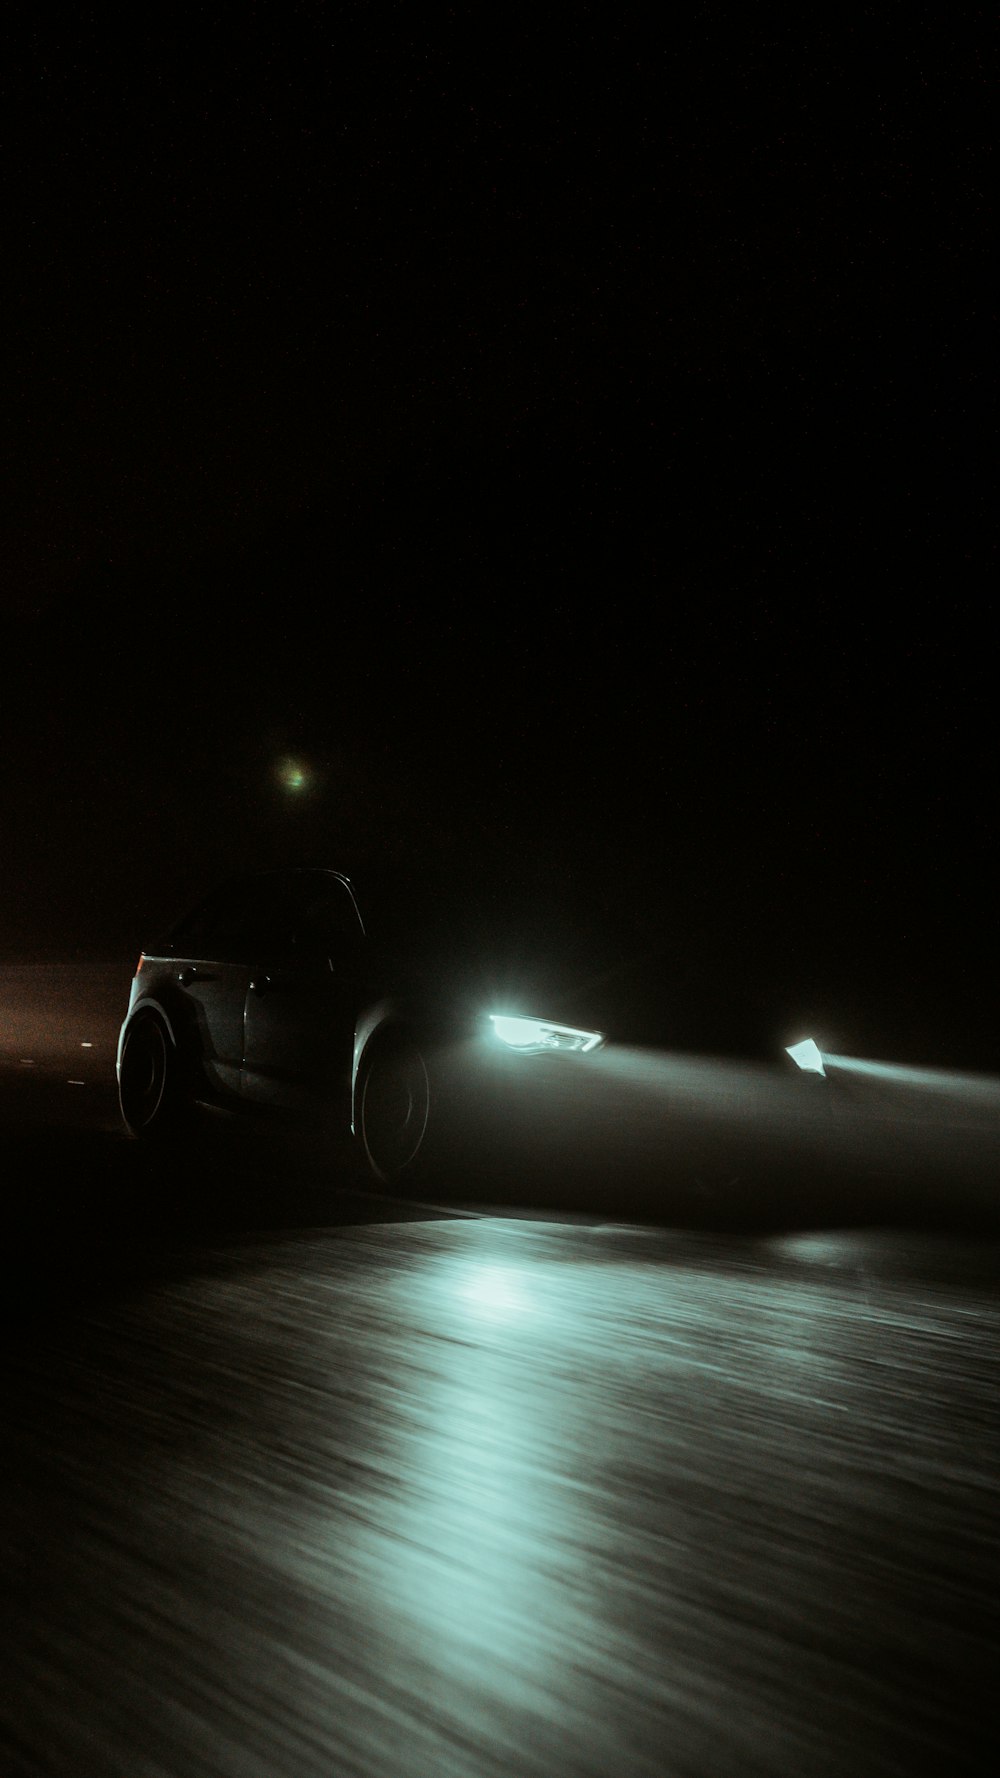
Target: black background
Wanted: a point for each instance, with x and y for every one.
(567, 438)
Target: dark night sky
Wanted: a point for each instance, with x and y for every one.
(569, 444)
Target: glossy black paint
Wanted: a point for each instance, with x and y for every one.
(275, 995)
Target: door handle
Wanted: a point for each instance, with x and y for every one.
(186, 976)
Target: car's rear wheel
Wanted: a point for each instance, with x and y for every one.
(148, 1086)
(393, 1107)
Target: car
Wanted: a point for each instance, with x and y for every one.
(279, 992)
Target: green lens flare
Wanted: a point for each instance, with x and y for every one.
(292, 775)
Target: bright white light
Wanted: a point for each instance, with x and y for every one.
(519, 1033)
(806, 1055)
(542, 1034)
(981, 1090)
(495, 1291)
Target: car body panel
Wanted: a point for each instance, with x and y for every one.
(298, 1030)
(283, 1024)
(305, 986)
(201, 1003)
(212, 1003)
(275, 998)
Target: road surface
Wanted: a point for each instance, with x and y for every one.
(300, 1481)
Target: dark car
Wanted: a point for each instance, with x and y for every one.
(279, 992)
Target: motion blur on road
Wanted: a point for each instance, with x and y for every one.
(658, 1435)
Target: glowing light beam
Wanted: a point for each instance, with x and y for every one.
(534, 1035)
(806, 1055)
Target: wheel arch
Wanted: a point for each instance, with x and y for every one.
(147, 1007)
(376, 1023)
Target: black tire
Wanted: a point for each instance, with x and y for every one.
(393, 1107)
(149, 1094)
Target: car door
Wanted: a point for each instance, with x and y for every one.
(210, 986)
(302, 996)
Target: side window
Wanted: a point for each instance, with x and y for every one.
(193, 935)
(257, 918)
(326, 919)
(237, 921)
(304, 913)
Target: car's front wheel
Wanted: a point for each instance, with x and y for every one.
(148, 1086)
(393, 1106)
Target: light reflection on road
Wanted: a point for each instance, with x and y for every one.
(480, 1497)
(585, 1475)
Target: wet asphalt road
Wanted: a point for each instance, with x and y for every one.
(299, 1480)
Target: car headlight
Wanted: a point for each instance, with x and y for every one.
(806, 1055)
(534, 1036)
